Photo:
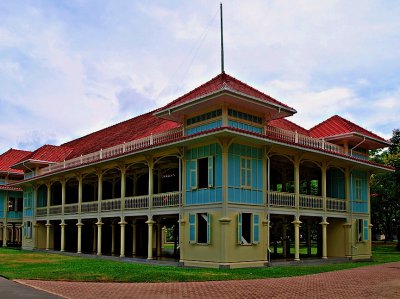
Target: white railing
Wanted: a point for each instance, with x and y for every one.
(71, 208)
(41, 211)
(336, 204)
(282, 199)
(294, 137)
(137, 202)
(54, 210)
(169, 199)
(111, 204)
(89, 207)
(310, 202)
(115, 150)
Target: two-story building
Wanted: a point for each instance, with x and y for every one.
(220, 169)
(11, 199)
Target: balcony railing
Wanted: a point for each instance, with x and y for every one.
(166, 199)
(137, 202)
(335, 204)
(294, 137)
(310, 202)
(55, 210)
(41, 211)
(14, 214)
(115, 150)
(282, 199)
(89, 207)
(71, 208)
(111, 204)
(287, 200)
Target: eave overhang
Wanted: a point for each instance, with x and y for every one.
(31, 164)
(355, 138)
(225, 95)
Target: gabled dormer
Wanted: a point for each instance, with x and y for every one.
(224, 101)
(42, 157)
(355, 140)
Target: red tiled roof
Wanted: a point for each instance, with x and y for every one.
(221, 81)
(285, 124)
(49, 153)
(11, 157)
(337, 125)
(129, 130)
(10, 188)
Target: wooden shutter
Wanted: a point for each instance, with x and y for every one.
(192, 228)
(256, 229)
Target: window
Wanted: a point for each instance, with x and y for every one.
(199, 228)
(248, 228)
(28, 229)
(357, 189)
(202, 173)
(362, 230)
(245, 172)
(11, 204)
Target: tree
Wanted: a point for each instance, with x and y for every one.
(385, 191)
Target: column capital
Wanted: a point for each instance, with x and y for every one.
(297, 222)
(99, 223)
(324, 223)
(79, 224)
(48, 224)
(62, 224)
(122, 223)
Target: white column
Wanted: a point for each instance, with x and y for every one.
(62, 224)
(122, 247)
(79, 225)
(296, 223)
(5, 234)
(297, 181)
(151, 183)
(150, 223)
(48, 226)
(99, 225)
(63, 194)
(324, 224)
(323, 183)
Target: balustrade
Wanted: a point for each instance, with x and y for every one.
(41, 211)
(310, 202)
(89, 207)
(71, 208)
(137, 202)
(335, 204)
(166, 199)
(111, 205)
(282, 199)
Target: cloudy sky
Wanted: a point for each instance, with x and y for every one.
(68, 68)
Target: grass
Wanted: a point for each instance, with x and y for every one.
(20, 264)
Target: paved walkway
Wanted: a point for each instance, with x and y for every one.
(382, 281)
(12, 290)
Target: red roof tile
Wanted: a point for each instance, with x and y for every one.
(337, 125)
(285, 124)
(11, 157)
(129, 130)
(49, 153)
(218, 83)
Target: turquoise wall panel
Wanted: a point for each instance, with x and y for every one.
(335, 183)
(2, 196)
(243, 126)
(14, 215)
(237, 194)
(359, 200)
(205, 127)
(28, 201)
(206, 195)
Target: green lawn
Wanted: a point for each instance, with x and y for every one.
(21, 264)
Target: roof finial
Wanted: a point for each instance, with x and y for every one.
(222, 42)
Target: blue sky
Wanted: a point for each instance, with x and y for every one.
(68, 68)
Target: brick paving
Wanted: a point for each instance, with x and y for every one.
(381, 281)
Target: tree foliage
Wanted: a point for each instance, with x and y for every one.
(385, 191)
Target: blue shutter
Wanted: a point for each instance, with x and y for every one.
(239, 231)
(193, 174)
(256, 229)
(210, 172)
(208, 228)
(24, 229)
(366, 228)
(192, 228)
